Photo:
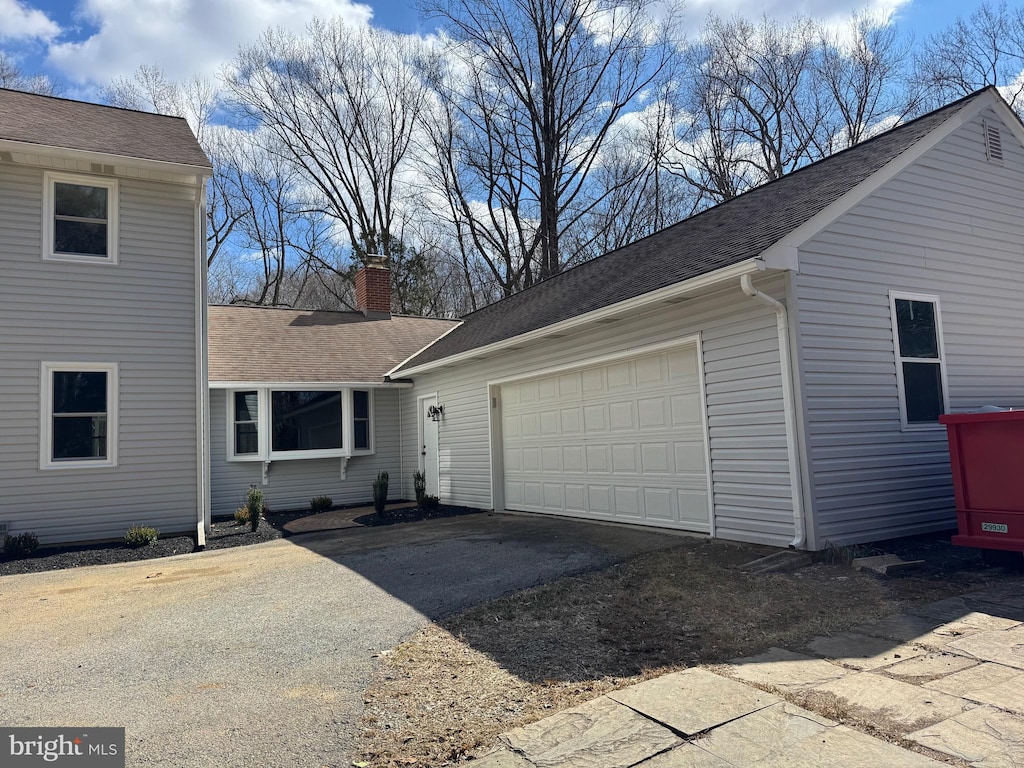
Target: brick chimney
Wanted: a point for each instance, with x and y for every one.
(373, 288)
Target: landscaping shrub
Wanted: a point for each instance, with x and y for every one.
(380, 492)
(419, 484)
(242, 516)
(430, 503)
(20, 545)
(255, 506)
(320, 504)
(141, 536)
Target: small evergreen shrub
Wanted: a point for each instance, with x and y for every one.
(430, 503)
(20, 545)
(320, 504)
(242, 516)
(141, 536)
(419, 485)
(255, 506)
(380, 492)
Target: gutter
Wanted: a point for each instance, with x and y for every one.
(666, 294)
(788, 404)
(203, 390)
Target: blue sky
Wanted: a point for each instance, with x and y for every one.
(85, 43)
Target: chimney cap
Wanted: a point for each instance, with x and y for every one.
(376, 261)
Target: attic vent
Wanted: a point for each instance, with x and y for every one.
(993, 143)
(105, 169)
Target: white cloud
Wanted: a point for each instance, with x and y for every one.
(832, 12)
(20, 22)
(183, 38)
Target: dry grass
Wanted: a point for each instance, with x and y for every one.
(448, 692)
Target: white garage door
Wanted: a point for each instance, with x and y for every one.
(622, 441)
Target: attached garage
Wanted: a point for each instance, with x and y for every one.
(620, 439)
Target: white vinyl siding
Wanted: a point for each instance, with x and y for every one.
(292, 483)
(750, 472)
(141, 316)
(949, 226)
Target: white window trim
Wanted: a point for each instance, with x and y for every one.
(50, 178)
(905, 425)
(371, 430)
(263, 440)
(46, 415)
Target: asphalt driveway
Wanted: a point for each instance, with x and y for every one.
(258, 655)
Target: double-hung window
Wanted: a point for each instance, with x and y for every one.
(920, 363)
(275, 424)
(80, 218)
(79, 415)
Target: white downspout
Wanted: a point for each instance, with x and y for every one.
(788, 404)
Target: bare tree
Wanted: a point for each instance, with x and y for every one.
(759, 110)
(343, 104)
(865, 74)
(196, 100)
(986, 48)
(531, 89)
(14, 78)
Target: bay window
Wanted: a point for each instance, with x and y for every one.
(285, 423)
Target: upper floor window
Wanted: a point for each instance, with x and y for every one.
(920, 367)
(80, 218)
(79, 415)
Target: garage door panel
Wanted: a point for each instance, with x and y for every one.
(650, 370)
(571, 420)
(595, 419)
(620, 376)
(551, 458)
(624, 457)
(547, 389)
(689, 457)
(685, 409)
(575, 498)
(652, 413)
(572, 458)
(621, 441)
(659, 504)
(598, 458)
(654, 458)
(627, 501)
(621, 415)
(600, 499)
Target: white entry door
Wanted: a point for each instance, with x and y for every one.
(620, 441)
(428, 446)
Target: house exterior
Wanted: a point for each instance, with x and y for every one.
(299, 402)
(102, 335)
(770, 370)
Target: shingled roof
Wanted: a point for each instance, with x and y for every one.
(299, 345)
(731, 232)
(52, 122)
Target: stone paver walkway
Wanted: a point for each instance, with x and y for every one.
(337, 519)
(948, 676)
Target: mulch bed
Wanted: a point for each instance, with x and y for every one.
(223, 534)
(414, 514)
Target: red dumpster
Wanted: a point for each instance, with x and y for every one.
(986, 451)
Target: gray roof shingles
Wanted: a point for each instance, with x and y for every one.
(255, 344)
(53, 122)
(727, 234)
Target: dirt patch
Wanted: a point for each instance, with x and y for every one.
(447, 693)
